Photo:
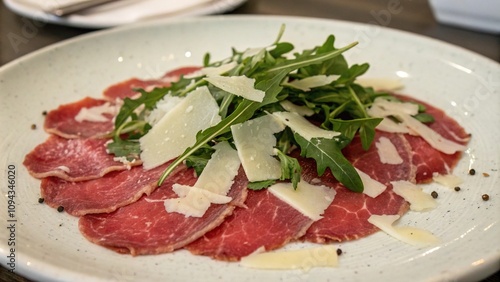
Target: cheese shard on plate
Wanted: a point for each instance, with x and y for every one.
(255, 141)
(310, 200)
(418, 199)
(303, 127)
(195, 202)
(305, 259)
(372, 187)
(387, 152)
(307, 83)
(410, 235)
(238, 85)
(448, 180)
(218, 175)
(177, 130)
(404, 112)
(212, 185)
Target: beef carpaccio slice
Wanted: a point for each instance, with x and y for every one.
(72, 159)
(62, 122)
(266, 222)
(101, 195)
(127, 88)
(145, 228)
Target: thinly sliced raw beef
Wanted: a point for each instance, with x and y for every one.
(72, 159)
(429, 160)
(61, 121)
(127, 88)
(145, 228)
(347, 216)
(266, 222)
(101, 195)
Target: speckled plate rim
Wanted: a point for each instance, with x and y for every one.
(471, 265)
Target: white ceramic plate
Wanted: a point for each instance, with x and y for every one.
(49, 246)
(121, 12)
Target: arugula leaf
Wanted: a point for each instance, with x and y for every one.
(327, 153)
(130, 149)
(349, 128)
(424, 117)
(260, 185)
(290, 169)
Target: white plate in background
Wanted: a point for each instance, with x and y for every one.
(50, 247)
(121, 12)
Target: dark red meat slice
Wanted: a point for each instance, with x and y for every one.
(266, 222)
(61, 121)
(126, 88)
(145, 228)
(347, 217)
(72, 159)
(102, 195)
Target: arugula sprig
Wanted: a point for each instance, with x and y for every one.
(339, 106)
(268, 80)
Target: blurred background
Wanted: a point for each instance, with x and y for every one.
(474, 25)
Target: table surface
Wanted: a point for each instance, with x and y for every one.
(415, 16)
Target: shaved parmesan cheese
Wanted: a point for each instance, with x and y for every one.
(212, 185)
(418, 199)
(177, 130)
(386, 106)
(238, 85)
(310, 200)
(410, 235)
(216, 71)
(163, 106)
(311, 82)
(448, 180)
(434, 139)
(305, 259)
(404, 111)
(387, 152)
(195, 202)
(255, 141)
(303, 127)
(301, 110)
(380, 84)
(372, 187)
(388, 125)
(218, 175)
(97, 113)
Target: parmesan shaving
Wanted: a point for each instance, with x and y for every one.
(310, 200)
(448, 180)
(238, 85)
(305, 259)
(307, 83)
(303, 127)
(301, 110)
(255, 141)
(407, 234)
(372, 187)
(387, 152)
(404, 112)
(177, 129)
(418, 199)
(380, 84)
